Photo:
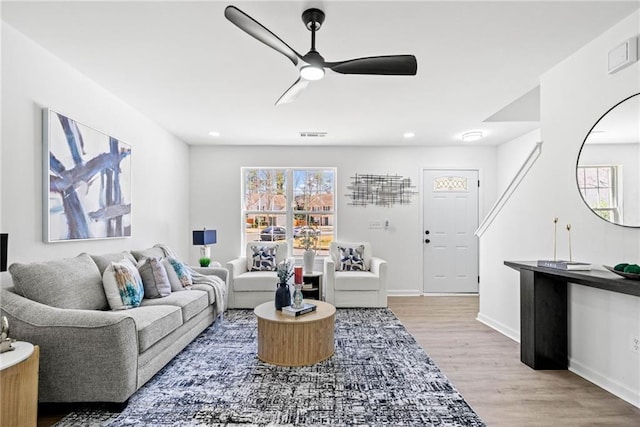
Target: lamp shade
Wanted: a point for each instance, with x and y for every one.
(204, 237)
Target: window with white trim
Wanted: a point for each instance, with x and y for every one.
(289, 204)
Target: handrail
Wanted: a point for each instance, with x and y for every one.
(499, 204)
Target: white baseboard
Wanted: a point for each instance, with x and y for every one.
(449, 294)
(612, 386)
(499, 326)
(403, 293)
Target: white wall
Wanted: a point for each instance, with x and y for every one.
(32, 78)
(215, 196)
(574, 95)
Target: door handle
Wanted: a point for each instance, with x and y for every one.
(427, 241)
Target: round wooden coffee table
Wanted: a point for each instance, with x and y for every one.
(295, 341)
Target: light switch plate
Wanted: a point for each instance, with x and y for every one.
(376, 224)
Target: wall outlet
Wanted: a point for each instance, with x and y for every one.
(635, 344)
(376, 225)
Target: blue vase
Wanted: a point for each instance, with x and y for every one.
(283, 296)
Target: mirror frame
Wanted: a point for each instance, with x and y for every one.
(578, 163)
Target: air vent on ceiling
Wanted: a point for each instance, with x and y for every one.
(313, 134)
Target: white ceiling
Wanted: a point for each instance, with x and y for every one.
(192, 71)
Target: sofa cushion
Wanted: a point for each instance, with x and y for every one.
(154, 323)
(356, 281)
(211, 293)
(154, 278)
(154, 252)
(103, 261)
(73, 283)
(255, 281)
(122, 285)
(191, 302)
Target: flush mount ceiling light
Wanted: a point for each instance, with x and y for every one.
(408, 134)
(472, 136)
(214, 133)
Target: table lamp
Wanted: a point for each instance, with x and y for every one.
(204, 238)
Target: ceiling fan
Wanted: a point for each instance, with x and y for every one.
(312, 65)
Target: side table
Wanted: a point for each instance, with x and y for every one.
(316, 291)
(19, 385)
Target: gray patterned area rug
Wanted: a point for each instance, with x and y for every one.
(378, 376)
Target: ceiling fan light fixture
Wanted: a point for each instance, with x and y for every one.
(309, 72)
(472, 136)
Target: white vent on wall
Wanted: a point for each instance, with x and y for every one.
(313, 134)
(623, 55)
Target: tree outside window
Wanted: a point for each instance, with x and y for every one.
(289, 204)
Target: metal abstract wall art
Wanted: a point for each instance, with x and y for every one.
(87, 182)
(380, 190)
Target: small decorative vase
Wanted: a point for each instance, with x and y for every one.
(308, 257)
(204, 262)
(283, 296)
(297, 297)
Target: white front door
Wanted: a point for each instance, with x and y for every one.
(450, 218)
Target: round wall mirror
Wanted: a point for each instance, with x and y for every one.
(608, 167)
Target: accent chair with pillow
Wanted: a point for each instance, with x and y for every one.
(353, 277)
(252, 277)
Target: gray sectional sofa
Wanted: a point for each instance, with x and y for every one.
(89, 353)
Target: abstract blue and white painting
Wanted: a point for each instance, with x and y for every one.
(87, 182)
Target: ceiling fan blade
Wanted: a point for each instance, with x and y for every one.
(390, 65)
(259, 32)
(292, 93)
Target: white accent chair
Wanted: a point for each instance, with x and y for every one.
(367, 288)
(248, 289)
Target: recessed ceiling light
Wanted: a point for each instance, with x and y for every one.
(472, 136)
(214, 133)
(409, 134)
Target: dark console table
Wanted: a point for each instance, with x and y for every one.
(543, 309)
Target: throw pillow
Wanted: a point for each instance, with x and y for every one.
(263, 258)
(103, 261)
(154, 278)
(153, 252)
(178, 274)
(74, 283)
(351, 259)
(122, 285)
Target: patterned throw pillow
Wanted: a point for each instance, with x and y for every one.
(122, 285)
(174, 280)
(180, 270)
(263, 258)
(154, 278)
(351, 259)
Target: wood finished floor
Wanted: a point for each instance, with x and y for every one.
(485, 367)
